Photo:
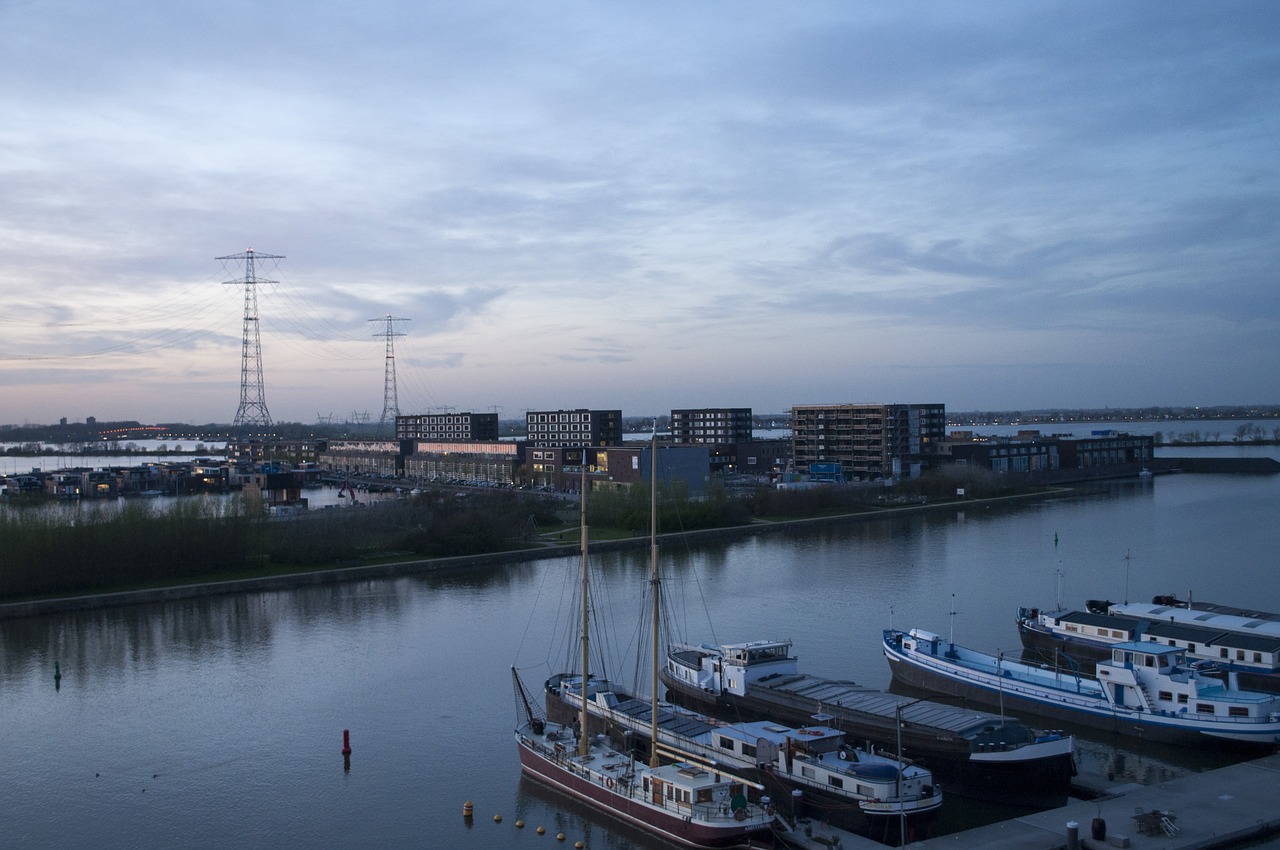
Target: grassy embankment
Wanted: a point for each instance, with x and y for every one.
(192, 541)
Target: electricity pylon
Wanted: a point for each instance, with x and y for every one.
(390, 399)
(253, 402)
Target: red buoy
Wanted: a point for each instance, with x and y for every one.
(346, 742)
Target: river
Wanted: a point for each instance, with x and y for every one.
(218, 722)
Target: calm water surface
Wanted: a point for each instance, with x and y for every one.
(218, 723)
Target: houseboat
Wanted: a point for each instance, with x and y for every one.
(1144, 689)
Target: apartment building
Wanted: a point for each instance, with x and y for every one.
(448, 427)
(859, 442)
(714, 425)
(565, 428)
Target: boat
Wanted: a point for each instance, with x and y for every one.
(814, 758)
(688, 803)
(1144, 689)
(1239, 646)
(975, 754)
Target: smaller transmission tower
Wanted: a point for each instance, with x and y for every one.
(390, 399)
(253, 402)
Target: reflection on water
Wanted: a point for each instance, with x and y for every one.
(223, 716)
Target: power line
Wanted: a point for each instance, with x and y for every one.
(390, 400)
(253, 402)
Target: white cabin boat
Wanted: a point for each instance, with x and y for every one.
(684, 802)
(1235, 644)
(978, 754)
(1142, 689)
(817, 758)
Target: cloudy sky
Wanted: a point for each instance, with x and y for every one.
(991, 205)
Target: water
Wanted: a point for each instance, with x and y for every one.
(219, 722)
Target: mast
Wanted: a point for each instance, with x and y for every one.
(582, 522)
(657, 588)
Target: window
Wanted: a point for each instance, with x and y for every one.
(1182, 699)
(1204, 708)
(726, 743)
(1257, 658)
(748, 750)
(1239, 655)
(1165, 696)
(835, 781)
(1237, 711)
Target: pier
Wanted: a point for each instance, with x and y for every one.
(1229, 807)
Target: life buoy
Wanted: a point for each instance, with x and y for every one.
(608, 783)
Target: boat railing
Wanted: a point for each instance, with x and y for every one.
(722, 812)
(991, 680)
(1087, 699)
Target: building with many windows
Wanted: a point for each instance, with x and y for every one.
(486, 463)
(715, 425)
(722, 429)
(448, 427)
(564, 428)
(1056, 456)
(857, 442)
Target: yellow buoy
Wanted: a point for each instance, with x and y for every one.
(519, 824)
(541, 830)
(559, 836)
(467, 809)
(497, 818)
(579, 845)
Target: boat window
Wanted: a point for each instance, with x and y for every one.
(726, 743)
(1165, 696)
(1238, 711)
(1204, 708)
(704, 795)
(1191, 647)
(1239, 655)
(1149, 660)
(1257, 658)
(1182, 699)
(835, 782)
(1222, 652)
(748, 750)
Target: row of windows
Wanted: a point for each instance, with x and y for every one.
(576, 416)
(435, 419)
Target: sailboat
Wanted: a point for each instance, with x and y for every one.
(816, 758)
(689, 802)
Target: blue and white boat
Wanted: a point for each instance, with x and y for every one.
(1142, 689)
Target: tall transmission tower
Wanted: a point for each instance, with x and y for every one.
(390, 399)
(253, 403)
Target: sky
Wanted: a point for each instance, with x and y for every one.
(637, 206)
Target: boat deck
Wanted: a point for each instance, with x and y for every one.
(834, 696)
